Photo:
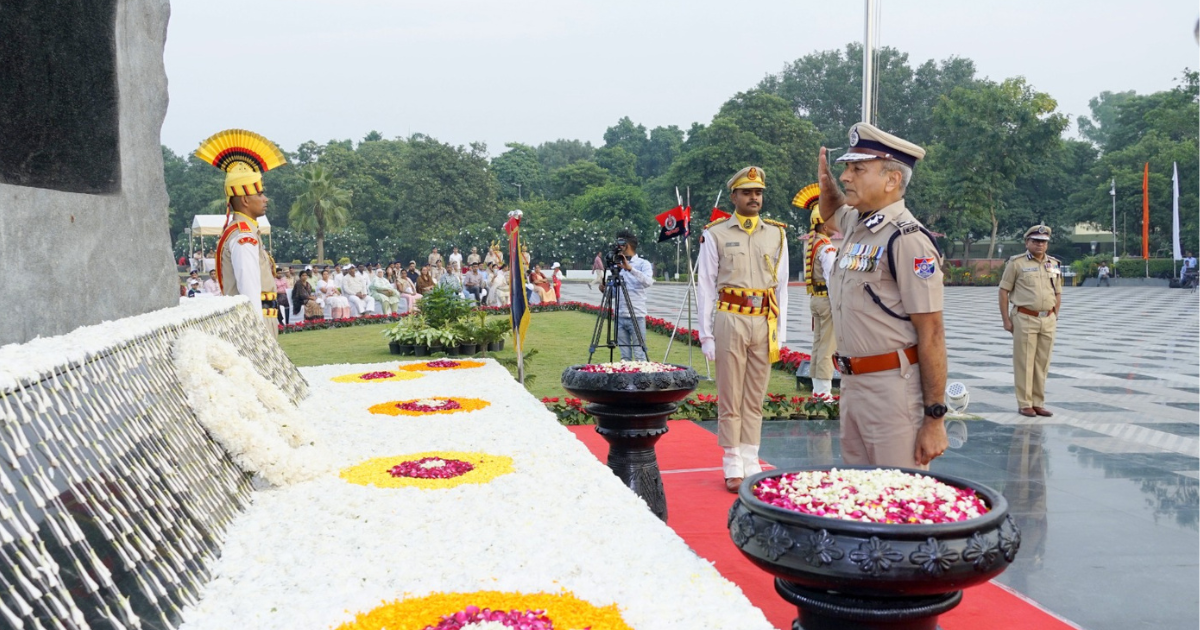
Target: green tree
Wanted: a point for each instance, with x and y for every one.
(518, 171)
(992, 134)
(575, 179)
(613, 202)
(1159, 129)
(559, 153)
(322, 208)
(620, 163)
(1104, 116)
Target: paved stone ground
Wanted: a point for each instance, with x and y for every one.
(1106, 490)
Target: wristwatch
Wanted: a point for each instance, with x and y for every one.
(936, 410)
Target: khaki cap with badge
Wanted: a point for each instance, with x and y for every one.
(868, 142)
(1038, 233)
(749, 177)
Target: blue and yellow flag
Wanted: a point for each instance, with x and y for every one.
(520, 301)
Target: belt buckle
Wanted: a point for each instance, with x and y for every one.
(755, 300)
(842, 363)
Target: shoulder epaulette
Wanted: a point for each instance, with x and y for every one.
(712, 223)
(242, 226)
(908, 227)
(1016, 256)
(775, 223)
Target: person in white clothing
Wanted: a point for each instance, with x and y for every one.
(357, 289)
(330, 295)
(454, 264)
(211, 286)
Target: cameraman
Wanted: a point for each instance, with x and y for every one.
(637, 274)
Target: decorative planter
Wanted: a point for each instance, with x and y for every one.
(394, 346)
(494, 346)
(420, 351)
(845, 574)
(407, 349)
(631, 411)
(468, 349)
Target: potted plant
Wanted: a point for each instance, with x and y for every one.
(390, 333)
(425, 339)
(497, 329)
(407, 333)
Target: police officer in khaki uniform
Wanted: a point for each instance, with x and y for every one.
(819, 260)
(742, 298)
(886, 295)
(244, 267)
(1030, 298)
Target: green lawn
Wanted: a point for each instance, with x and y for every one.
(561, 339)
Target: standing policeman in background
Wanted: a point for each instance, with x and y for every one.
(244, 267)
(743, 276)
(1032, 282)
(886, 295)
(819, 261)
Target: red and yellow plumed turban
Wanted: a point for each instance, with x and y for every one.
(244, 156)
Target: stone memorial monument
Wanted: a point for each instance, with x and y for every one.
(83, 207)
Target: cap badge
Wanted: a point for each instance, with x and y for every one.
(753, 174)
(854, 136)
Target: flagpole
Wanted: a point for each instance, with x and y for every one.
(687, 244)
(1176, 252)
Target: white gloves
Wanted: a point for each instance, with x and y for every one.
(709, 349)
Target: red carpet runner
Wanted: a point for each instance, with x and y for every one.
(697, 506)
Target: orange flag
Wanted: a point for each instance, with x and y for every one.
(1146, 211)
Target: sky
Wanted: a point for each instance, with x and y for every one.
(531, 71)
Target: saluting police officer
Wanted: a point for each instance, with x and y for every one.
(743, 275)
(1032, 288)
(886, 294)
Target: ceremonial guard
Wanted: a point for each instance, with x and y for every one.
(243, 265)
(1032, 288)
(886, 297)
(820, 257)
(743, 277)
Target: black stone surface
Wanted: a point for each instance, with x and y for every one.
(58, 95)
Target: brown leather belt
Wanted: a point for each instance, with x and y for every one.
(877, 363)
(753, 301)
(1033, 313)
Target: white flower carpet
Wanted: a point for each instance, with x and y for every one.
(538, 514)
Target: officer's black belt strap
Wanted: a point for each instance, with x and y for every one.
(820, 286)
(879, 302)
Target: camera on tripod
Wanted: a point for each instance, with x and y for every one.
(616, 256)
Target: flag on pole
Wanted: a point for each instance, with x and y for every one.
(675, 222)
(520, 305)
(1175, 251)
(1146, 211)
(718, 213)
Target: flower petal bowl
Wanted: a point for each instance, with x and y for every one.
(630, 388)
(851, 574)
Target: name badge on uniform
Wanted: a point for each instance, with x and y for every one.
(733, 244)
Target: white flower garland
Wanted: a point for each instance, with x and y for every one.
(245, 413)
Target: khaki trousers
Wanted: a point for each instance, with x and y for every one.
(881, 414)
(743, 372)
(824, 342)
(1033, 339)
(272, 325)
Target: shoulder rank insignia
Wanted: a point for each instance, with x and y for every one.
(874, 220)
(712, 223)
(908, 227)
(242, 226)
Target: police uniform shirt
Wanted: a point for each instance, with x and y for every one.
(246, 268)
(737, 259)
(1032, 284)
(862, 275)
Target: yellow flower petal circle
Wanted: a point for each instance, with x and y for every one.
(375, 472)
(565, 610)
(358, 377)
(391, 408)
(425, 366)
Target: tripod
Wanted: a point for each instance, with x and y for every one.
(606, 319)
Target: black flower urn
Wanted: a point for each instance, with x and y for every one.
(843, 574)
(631, 411)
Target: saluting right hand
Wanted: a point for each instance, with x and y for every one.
(832, 197)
